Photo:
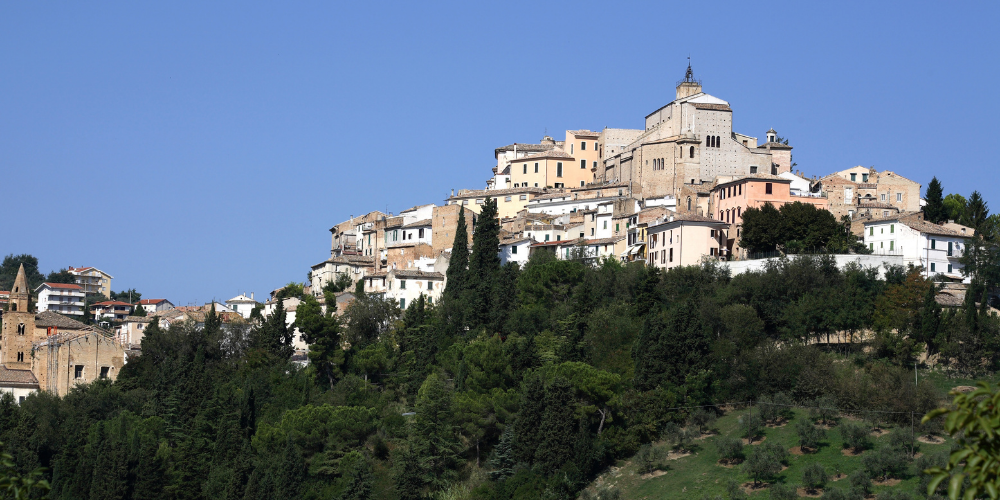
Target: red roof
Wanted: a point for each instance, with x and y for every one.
(151, 301)
(3, 292)
(113, 303)
(63, 285)
(71, 268)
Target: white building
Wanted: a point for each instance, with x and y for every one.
(515, 250)
(62, 298)
(405, 285)
(242, 305)
(565, 203)
(155, 305)
(934, 248)
(19, 383)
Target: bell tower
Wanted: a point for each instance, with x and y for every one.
(688, 86)
(18, 329)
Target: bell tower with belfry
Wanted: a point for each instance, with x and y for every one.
(18, 330)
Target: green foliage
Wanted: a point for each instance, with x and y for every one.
(322, 331)
(885, 462)
(702, 419)
(860, 482)
(369, 317)
(17, 486)
(291, 290)
(130, 296)
(61, 276)
(484, 271)
(647, 459)
(730, 449)
(973, 418)
(814, 477)
(751, 426)
(795, 226)
(809, 435)
(954, 207)
(8, 271)
(934, 210)
(855, 436)
(343, 282)
(780, 491)
(763, 463)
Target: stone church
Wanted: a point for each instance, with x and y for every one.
(48, 351)
(689, 141)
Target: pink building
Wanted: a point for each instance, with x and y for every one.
(684, 240)
(728, 200)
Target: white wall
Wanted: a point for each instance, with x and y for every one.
(19, 393)
(895, 238)
(882, 262)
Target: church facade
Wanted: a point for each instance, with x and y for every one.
(689, 141)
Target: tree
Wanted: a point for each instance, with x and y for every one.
(976, 213)
(322, 332)
(502, 462)
(529, 418)
(730, 449)
(368, 317)
(61, 276)
(751, 426)
(762, 464)
(273, 335)
(360, 482)
(761, 229)
(975, 466)
(556, 428)
(435, 435)
(484, 267)
(141, 311)
(292, 289)
(934, 210)
(702, 419)
(458, 264)
(954, 207)
(10, 265)
(780, 491)
(855, 436)
(130, 296)
(810, 227)
(809, 434)
(17, 486)
(343, 282)
(814, 477)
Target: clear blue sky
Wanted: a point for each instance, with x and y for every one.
(196, 150)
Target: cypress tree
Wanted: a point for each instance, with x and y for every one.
(459, 263)
(934, 209)
(976, 212)
(528, 419)
(556, 431)
(484, 266)
(930, 317)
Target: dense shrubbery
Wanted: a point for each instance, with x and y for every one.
(541, 376)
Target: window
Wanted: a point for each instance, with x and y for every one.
(848, 193)
(892, 245)
(933, 267)
(595, 163)
(949, 250)
(513, 249)
(560, 185)
(525, 168)
(871, 246)
(671, 255)
(402, 303)
(558, 237)
(892, 228)
(616, 227)
(949, 268)
(767, 188)
(605, 224)
(933, 244)
(753, 169)
(583, 146)
(20, 329)
(740, 190)
(506, 198)
(430, 301)
(899, 197)
(430, 285)
(78, 372)
(536, 170)
(20, 357)
(546, 237)
(583, 163)
(711, 251)
(581, 183)
(854, 177)
(570, 149)
(479, 202)
(104, 371)
(559, 169)
(691, 152)
(465, 202)
(523, 197)
(402, 284)
(864, 177)
(536, 184)
(420, 233)
(883, 196)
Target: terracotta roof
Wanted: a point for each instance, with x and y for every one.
(524, 147)
(46, 319)
(393, 222)
(774, 145)
(139, 319)
(147, 302)
(714, 107)
(112, 303)
(415, 274)
(419, 223)
(483, 193)
(17, 378)
(62, 285)
(552, 153)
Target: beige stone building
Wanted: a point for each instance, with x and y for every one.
(509, 201)
(92, 280)
(864, 191)
(689, 140)
(51, 351)
(684, 240)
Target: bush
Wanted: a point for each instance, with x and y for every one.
(814, 477)
(926, 462)
(775, 409)
(730, 449)
(780, 491)
(702, 419)
(823, 410)
(884, 463)
(893, 495)
(855, 436)
(751, 426)
(734, 491)
(678, 437)
(762, 464)
(809, 434)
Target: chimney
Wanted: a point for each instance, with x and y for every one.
(251, 295)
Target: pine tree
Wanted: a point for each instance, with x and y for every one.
(934, 209)
(359, 486)
(139, 311)
(407, 474)
(484, 267)
(930, 317)
(435, 433)
(976, 212)
(322, 332)
(502, 461)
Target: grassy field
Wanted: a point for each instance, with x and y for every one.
(699, 474)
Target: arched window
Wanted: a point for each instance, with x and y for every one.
(13, 306)
(692, 152)
(689, 203)
(20, 329)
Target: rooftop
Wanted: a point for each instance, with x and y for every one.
(17, 378)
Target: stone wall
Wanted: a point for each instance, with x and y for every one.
(76, 358)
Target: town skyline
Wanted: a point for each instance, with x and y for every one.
(230, 185)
